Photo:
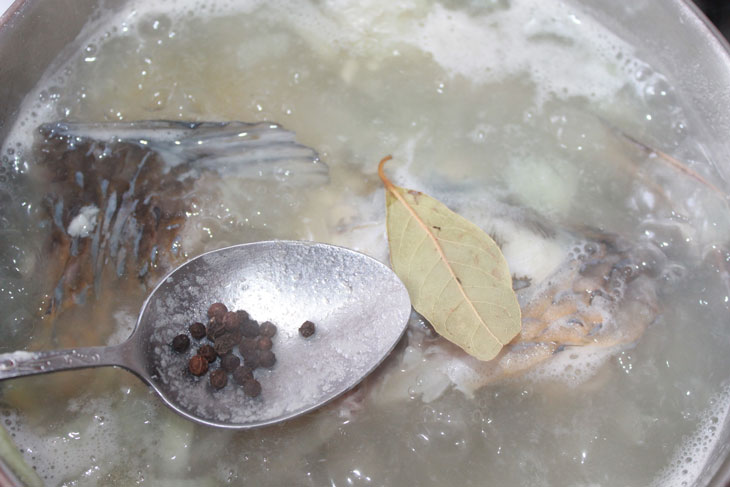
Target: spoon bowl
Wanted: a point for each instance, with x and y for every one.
(359, 306)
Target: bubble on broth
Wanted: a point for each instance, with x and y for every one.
(87, 440)
(690, 458)
(531, 38)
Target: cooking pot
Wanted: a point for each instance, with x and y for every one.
(673, 34)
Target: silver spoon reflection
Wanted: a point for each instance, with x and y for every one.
(358, 304)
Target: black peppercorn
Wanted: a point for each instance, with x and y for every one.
(218, 378)
(252, 388)
(217, 310)
(236, 337)
(228, 330)
(250, 328)
(241, 374)
(264, 343)
(230, 362)
(268, 329)
(247, 346)
(215, 329)
(242, 315)
(197, 330)
(307, 329)
(180, 343)
(267, 358)
(251, 360)
(198, 365)
(208, 352)
(226, 342)
(231, 321)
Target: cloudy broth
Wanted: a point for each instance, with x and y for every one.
(481, 104)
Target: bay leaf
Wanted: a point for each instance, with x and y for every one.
(456, 275)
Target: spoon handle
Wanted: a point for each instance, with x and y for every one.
(21, 363)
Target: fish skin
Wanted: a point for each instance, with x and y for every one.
(245, 149)
(138, 177)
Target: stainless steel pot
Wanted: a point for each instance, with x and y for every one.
(674, 34)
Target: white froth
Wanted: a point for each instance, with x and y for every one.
(485, 48)
(476, 50)
(15, 357)
(125, 322)
(573, 366)
(84, 222)
(692, 456)
(89, 440)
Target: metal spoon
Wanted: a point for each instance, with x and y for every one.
(359, 306)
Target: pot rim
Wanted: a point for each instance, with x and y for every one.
(11, 11)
